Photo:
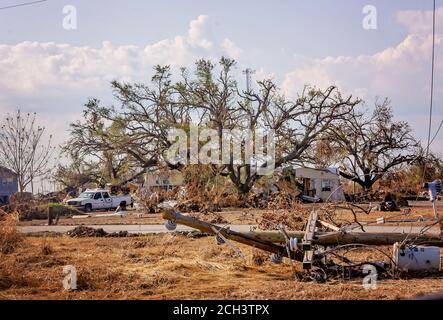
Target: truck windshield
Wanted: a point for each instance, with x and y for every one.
(87, 195)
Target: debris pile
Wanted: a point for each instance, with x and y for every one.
(32, 210)
(292, 220)
(211, 217)
(325, 250)
(392, 202)
(87, 232)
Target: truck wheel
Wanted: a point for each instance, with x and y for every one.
(88, 208)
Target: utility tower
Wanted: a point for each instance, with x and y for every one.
(248, 72)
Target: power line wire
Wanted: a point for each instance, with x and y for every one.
(432, 91)
(432, 80)
(22, 4)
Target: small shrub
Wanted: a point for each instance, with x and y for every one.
(259, 257)
(9, 236)
(46, 249)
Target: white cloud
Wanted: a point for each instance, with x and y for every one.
(198, 33)
(401, 73)
(419, 22)
(231, 49)
(49, 76)
(55, 80)
(262, 74)
(48, 68)
(393, 72)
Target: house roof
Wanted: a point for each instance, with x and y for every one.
(303, 172)
(4, 170)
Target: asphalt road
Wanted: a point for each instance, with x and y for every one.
(153, 229)
(137, 229)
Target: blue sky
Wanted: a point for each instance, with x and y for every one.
(289, 24)
(53, 71)
(306, 27)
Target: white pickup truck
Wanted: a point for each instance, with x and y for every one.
(99, 200)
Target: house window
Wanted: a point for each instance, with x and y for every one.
(326, 185)
(10, 180)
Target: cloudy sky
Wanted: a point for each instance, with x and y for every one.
(53, 71)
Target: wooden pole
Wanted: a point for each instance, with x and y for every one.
(243, 238)
(338, 238)
(50, 216)
(264, 239)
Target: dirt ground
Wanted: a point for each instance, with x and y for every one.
(246, 216)
(135, 218)
(174, 267)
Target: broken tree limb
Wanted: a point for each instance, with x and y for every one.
(329, 226)
(230, 235)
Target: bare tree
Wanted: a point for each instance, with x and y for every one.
(22, 148)
(95, 140)
(133, 137)
(78, 172)
(372, 146)
(297, 124)
(140, 127)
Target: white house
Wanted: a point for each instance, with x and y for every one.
(324, 183)
(165, 180)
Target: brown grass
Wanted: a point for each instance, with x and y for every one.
(28, 210)
(9, 237)
(174, 267)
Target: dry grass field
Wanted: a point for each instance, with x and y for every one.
(173, 267)
(245, 216)
(176, 266)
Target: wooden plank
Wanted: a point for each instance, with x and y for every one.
(310, 231)
(329, 226)
(308, 260)
(310, 227)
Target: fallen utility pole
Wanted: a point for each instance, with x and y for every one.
(301, 246)
(231, 235)
(308, 240)
(267, 240)
(341, 238)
